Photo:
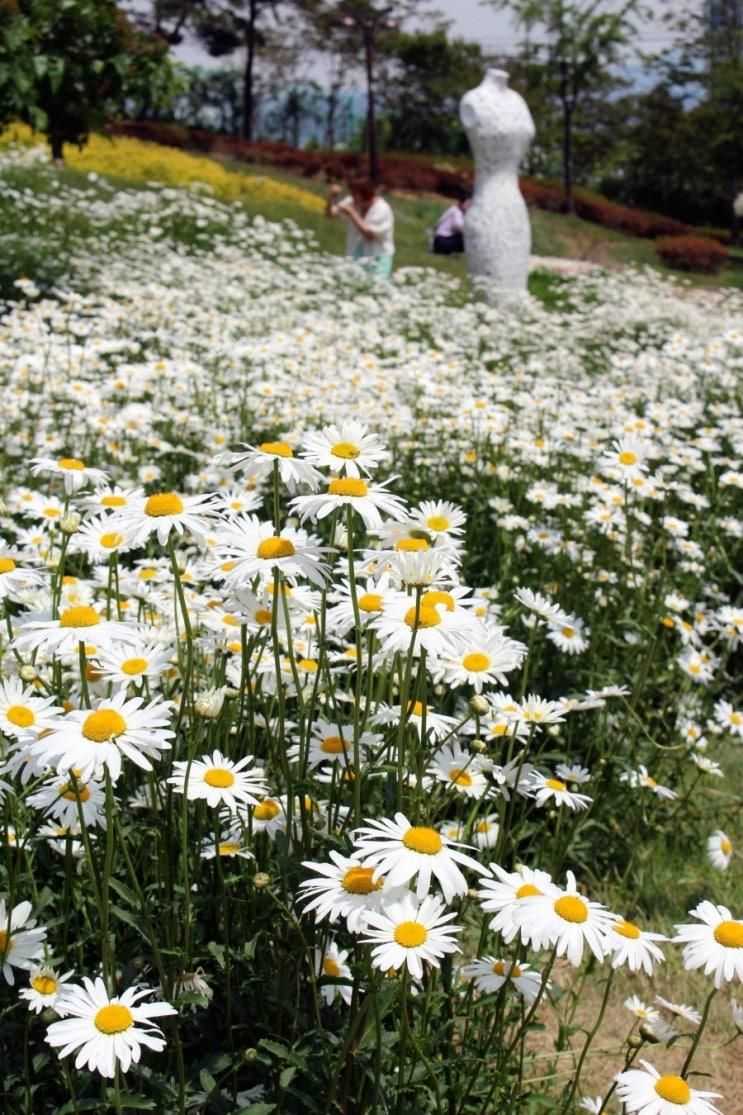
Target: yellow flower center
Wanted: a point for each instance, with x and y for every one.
(430, 599)
(113, 501)
(345, 450)
(21, 716)
(556, 785)
(163, 503)
(45, 985)
(568, 632)
(628, 457)
(231, 621)
(348, 486)
(309, 665)
(81, 616)
(333, 745)
(5, 943)
(7, 565)
(571, 908)
(112, 540)
(114, 1019)
(627, 929)
(220, 778)
(424, 840)
(272, 548)
(228, 849)
(331, 967)
(358, 880)
(103, 725)
(437, 522)
(735, 717)
(51, 512)
(410, 934)
(276, 448)
(729, 934)
(266, 810)
(725, 846)
(527, 890)
(412, 545)
(460, 777)
(147, 574)
(262, 616)
(370, 602)
(71, 464)
(475, 662)
(425, 617)
(415, 708)
(134, 666)
(67, 792)
(673, 1089)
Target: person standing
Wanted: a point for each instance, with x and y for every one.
(448, 236)
(370, 225)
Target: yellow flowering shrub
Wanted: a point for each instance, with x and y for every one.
(134, 160)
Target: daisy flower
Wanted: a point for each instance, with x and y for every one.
(641, 779)
(107, 1032)
(575, 773)
(19, 946)
(437, 724)
(726, 716)
(45, 990)
(269, 816)
(483, 663)
(640, 1009)
(133, 664)
(570, 637)
(633, 946)
(345, 888)
(231, 846)
(22, 712)
(160, 513)
(568, 921)
(110, 499)
(345, 448)
(256, 550)
(485, 832)
(719, 850)
(439, 518)
(552, 789)
(647, 1091)
(15, 578)
(58, 798)
(541, 606)
(431, 627)
(490, 974)
(626, 458)
(401, 851)
(349, 491)
(260, 460)
(459, 769)
(331, 962)
(96, 539)
(536, 710)
(715, 945)
(90, 739)
(219, 781)
(680, 1010)
(503, 895)
(409, 931)
(74, 472)
(81, 623)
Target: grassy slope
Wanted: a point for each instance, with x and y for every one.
(554, 234)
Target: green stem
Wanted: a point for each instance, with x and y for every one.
(698, 1035)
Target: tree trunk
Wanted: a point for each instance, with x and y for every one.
(567, 158)
(56, 142)
(371, 121)
(250, 43)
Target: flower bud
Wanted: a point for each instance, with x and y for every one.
(479, 705)
(479, 745)
(250, 1055)
(634, 1041)
(261, 880)
(71, 523)
(27, 673)
(209, 703)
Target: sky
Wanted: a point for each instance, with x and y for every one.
(495, 30)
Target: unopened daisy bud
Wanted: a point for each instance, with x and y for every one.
(479, 705)
(49, 1015)
(27, 673)
(635, 1041)
(231, 693)
(553, 730)
(209, 703)
(53, 564)
(473, 893)
(71, 523)
(250, 1055)
(261, 880)
(479, 745)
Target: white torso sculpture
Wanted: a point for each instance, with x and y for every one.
(497, 233)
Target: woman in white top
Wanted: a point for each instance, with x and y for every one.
(370, 225)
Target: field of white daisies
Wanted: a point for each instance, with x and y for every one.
(370, 697)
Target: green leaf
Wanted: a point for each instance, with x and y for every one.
(286, 1077)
